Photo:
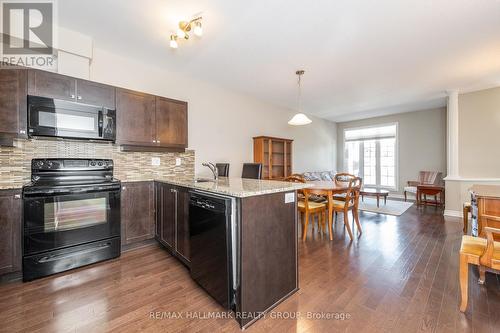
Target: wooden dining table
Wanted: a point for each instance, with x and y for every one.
(328, 189)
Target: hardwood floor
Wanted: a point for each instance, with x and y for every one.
(401, 275)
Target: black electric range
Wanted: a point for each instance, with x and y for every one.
(71, 215)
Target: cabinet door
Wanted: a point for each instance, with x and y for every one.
(182, 229)
(10, 231)
(94, 93)
(166, 214)
(52, 85)
(171, 123)
(135, 118)
(13, 102)
(137, 212)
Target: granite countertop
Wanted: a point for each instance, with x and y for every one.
(234, 187)
(237, 187)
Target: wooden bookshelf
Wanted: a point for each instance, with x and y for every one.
(275, 154)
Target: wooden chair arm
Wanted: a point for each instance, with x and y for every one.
(413, 183)
(486, 257)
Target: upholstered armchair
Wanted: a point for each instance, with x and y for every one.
(424, 178)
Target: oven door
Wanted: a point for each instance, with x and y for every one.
(57, 221)
(56, 118)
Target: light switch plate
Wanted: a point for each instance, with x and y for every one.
(178, 161)
(290, 197)
(155, 161)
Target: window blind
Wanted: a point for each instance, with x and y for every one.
(370, 133)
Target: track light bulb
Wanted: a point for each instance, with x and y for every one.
(198, 29)
(173, 41)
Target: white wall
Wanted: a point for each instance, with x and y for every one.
(221, 122)
(421, 141)
(478, 152)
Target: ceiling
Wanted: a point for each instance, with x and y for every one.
(362, 58)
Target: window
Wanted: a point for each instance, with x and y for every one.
(370, 153)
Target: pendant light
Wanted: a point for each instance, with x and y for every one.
(300, 118)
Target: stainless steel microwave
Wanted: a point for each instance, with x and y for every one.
(50, 117)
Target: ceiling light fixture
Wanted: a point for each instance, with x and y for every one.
(173, 41)
(198, 29)
(300, 118)
(184, 29)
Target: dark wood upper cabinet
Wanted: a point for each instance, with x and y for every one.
(10, 231)
(94, 93)
(137, 212)
(171, 123)
(51, 85)
(144, 122)
(13, 112)
(135, 118)
(57, 86)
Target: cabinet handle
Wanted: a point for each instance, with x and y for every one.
(17, 196)
(22, 132)
(79, 97)
(124, 188)
(173, 190)
(72, 96)
(157, 141)
(154, 141)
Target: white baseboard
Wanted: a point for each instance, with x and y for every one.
(453, 213)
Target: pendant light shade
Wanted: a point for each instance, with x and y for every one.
(299, 119)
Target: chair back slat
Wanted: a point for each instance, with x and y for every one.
(354, 187)
(430, 177)
(343, 178)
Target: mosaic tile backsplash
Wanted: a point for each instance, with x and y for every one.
(15, 162)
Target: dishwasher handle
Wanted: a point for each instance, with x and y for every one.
(207, 203)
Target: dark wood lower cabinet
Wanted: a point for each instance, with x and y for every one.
(165, 214)
(137, 212)
(10, 231)
(172, 219)
(183, 224)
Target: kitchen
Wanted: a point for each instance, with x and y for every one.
(76, 211)
(172, 166)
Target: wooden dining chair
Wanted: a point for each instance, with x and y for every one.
(350, 203)
(309, 206)
(342, 178)
(295, 178)
(311, 209)
(484, 253)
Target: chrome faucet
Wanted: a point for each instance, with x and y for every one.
(212, 168)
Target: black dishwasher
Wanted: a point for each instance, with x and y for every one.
(210, 245)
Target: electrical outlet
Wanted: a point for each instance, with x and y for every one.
(155, 161)
(178, 161)
(290, 197)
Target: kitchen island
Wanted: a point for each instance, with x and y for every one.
(264, 238)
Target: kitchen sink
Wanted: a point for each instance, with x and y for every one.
(203, 180)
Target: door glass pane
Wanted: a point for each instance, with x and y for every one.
(352, 157)
(74, 214)
(387, 162)
(370, 162)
